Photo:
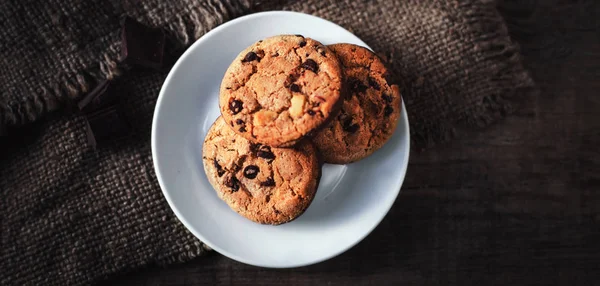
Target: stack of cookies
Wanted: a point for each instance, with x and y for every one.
(288, 103)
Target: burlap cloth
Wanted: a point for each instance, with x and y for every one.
(71, 215)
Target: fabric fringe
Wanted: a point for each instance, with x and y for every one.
(199, 18)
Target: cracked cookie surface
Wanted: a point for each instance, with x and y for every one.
(280, 89)
(370, 109)
(266, 185)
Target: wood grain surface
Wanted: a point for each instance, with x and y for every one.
(515, 204)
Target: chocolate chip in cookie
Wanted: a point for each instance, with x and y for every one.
(250, 56)
(387, 97)
(220, 170)
(269, 182)
(356, 85)
(265, 153)
(294, 87)
(373, 83)
(235, 106)
(388, 110)
(232, 182)
(251, 171)
(310, 65)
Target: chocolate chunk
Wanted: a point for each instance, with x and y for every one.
(233, 183)
(250, 56)
(269, 182)
(254, 147)
(320, 50)
(294, 87)
(90, 135)
(242, 129)
(251, 171)
(236, 167)
(100, 96)
(302, 44)
(356, 85)
(264, 148)
(107, 123)
(298, 35)
(142, 45)
(311, 112)
(348, 126)
(220, 170)
(388, 110)
(343, 116)
(265, 153)
(352, 128)
(235, 106)
(373, 83)
(387, 97)
(275, 55)
(239, 121)
(310, 65)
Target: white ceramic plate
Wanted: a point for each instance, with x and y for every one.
(351, 199)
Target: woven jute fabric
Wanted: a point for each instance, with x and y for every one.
(71, 215)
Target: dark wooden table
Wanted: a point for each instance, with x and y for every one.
(515, 204)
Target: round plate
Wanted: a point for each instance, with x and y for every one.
(351, 199)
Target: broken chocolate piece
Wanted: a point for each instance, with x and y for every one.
(141, 45)
(99, 97)
(302, 44)
(107, 124)
(89, 134)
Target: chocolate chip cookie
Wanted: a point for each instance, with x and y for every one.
(280, 89)
(370, 110)
(264, 184)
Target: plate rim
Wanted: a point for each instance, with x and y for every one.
(167, 196)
